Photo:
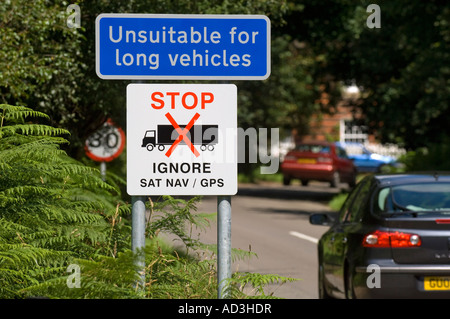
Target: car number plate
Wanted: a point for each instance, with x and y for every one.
(306, 161)
(436, 283)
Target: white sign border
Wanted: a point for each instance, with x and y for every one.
(180, 16)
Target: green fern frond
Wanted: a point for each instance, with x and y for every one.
(11, 112)
(9, 279)
(26, 256)
(31, 129)
(27, 189)
(52, 208)
(12, 122)
(256, 281)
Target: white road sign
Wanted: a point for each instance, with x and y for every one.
(181, 139)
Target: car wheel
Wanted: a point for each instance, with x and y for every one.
(286, 180)
(336, 180)
(304, 182)
(322, 290)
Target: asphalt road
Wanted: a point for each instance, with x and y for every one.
(272, 221)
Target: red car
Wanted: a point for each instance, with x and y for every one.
(321, 161)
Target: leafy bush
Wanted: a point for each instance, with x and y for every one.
(434, 157)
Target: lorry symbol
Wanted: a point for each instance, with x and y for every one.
(204, 135)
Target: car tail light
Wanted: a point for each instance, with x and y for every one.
(443, 221)
(385, 239)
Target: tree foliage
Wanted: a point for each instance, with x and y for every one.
(402, 68)
(410, 94)
(54, 66)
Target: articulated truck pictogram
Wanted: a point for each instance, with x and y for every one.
(204, 135)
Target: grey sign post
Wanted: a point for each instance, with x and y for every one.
(223, 245)
(138, 235)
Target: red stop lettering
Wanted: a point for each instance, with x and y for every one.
(188, 100)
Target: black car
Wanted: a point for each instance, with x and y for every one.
(391, 239)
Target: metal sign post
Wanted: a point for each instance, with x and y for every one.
(138, 234)
(223, 245)
(103, 170)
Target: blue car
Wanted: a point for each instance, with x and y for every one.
(366, 161)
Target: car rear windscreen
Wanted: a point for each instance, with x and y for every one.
(420, 198)
(313, 148)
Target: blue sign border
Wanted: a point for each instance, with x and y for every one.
(108, 54)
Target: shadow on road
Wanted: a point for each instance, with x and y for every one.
(296, 214)
(319, 192)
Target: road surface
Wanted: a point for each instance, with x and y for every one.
(272, 221)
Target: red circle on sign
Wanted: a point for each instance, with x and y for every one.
(105, 144)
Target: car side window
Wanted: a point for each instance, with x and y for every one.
(359, 204)
(348, 203)
(341, 152)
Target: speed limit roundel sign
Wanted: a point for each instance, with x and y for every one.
(106, 143)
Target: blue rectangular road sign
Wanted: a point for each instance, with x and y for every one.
(196, 47)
